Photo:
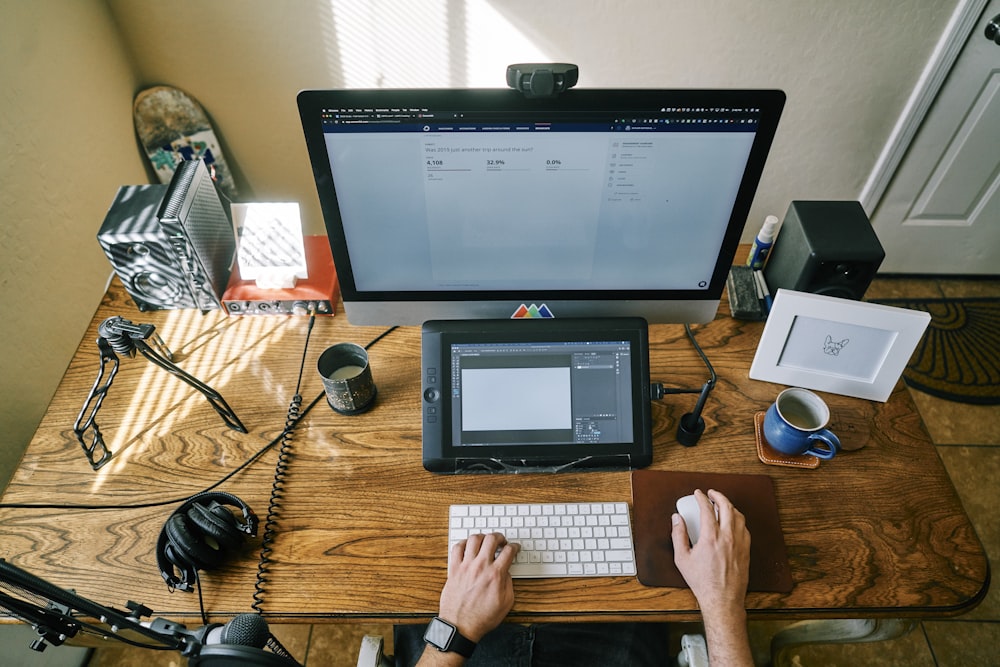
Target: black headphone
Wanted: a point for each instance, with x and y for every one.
(200, 535)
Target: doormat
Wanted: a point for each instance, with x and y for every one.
(958, 358)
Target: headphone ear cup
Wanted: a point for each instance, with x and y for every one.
(187, 572)
(217, 522)
(189, 546)
(175, 572)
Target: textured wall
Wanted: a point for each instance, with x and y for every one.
(66, 144)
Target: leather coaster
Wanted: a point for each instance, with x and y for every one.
(654, 497)
(773, 457)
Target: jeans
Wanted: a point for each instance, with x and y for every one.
(553, 644)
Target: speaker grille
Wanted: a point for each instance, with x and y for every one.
(179, 185)
(139, 251)
(173, 245)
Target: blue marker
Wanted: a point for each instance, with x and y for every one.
(759, 277)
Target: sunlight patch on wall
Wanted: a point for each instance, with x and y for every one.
(392, 44)
(495, 43)
(426, 44)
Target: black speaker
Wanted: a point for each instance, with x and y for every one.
(824, 247)
(172, 246)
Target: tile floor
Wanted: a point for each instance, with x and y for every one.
(968, 441)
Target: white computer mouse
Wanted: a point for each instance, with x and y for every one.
(688, 508)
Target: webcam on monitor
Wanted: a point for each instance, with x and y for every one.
(542, 79)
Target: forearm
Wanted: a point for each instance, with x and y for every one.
(727, 639)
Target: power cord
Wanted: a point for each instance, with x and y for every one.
(692, 424)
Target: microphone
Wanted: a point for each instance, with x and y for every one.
(243, 629)
(240, 642)
(249, 630)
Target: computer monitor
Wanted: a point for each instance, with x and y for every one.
(482, 203)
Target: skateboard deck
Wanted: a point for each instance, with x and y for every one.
(172, 127)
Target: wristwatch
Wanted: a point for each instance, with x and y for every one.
(445, 637)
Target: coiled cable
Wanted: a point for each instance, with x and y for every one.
(278, 485)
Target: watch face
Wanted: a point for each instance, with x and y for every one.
(439, 634)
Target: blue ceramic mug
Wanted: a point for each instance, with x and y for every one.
(796, 424)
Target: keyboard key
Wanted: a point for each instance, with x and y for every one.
(538, 570)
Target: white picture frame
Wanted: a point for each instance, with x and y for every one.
(836, 345)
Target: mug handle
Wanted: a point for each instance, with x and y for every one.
(826, 437)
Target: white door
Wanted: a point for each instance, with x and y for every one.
(941, 211)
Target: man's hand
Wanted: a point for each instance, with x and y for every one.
(479, 592)
(717, 569)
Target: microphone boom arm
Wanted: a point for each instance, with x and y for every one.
(61, 618)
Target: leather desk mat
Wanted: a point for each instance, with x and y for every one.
(654, 497)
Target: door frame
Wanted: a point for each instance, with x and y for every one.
(958, 31)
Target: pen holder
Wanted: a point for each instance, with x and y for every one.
(743, 300)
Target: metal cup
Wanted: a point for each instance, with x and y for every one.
(347, 378)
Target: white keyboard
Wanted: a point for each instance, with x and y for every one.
(557, 539)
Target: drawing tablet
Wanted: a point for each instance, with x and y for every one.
(535, 395)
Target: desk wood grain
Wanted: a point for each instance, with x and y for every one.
(361, 529)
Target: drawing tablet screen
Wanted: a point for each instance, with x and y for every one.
(535, 395)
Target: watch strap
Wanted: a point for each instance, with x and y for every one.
(458, 643)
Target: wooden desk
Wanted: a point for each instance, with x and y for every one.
(875, 533)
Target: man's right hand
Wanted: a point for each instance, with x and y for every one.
(717, 569)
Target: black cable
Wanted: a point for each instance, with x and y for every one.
(174, 501)
(380, 336)
(701, 353)
(692, 424)
(201, 598)
(658, 391)
(277, 486)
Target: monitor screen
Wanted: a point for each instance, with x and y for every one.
(465, 204)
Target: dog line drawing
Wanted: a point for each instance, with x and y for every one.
(832, 347)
